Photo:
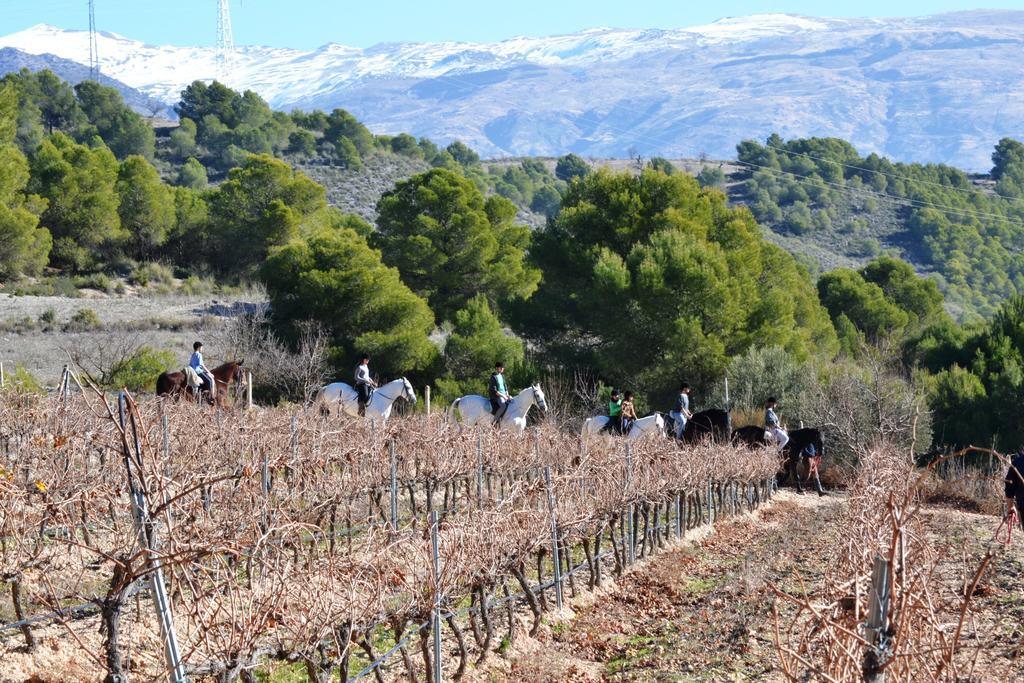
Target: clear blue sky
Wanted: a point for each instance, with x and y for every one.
(310, 23)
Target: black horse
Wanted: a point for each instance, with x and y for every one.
(751, 435)
(795, 450)
(707, 425)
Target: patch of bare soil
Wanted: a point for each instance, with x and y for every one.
(699, 611)
(170, 322)
(994, 627)
(703, 611)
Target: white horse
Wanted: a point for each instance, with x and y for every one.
(381, 402)
(476, 410)
(652, 425)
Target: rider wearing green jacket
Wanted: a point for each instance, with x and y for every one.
(615, 413)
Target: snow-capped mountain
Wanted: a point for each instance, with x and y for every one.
(12, 59)
(941, 88)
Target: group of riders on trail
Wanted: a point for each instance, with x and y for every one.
(365, 398)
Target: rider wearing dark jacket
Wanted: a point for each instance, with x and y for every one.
(497, 391)
(1014, 489)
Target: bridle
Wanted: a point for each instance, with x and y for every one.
(390, 398)
(539, 400)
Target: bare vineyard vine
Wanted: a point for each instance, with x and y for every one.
(284, 536)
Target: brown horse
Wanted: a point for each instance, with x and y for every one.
(174, 384)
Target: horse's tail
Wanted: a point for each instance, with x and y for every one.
(450, 413)
(586, 428)
(319, 403)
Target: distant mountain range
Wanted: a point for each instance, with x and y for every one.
(943, 88)
(12, 59)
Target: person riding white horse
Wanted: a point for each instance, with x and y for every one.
(498, 392)
(364, 383)
(652, 425)
(476, 410)
(381, 402)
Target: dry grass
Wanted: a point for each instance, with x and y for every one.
(930, 632)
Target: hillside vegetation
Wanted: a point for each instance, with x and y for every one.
(441, 264)
(823, 191)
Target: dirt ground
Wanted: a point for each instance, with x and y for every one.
(703, 610)
(170, 322)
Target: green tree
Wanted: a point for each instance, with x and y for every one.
(571, 166)
(765, 372)
(24, 246)
(79, 186)
(450, 243)
(192, 174)
(406, 145)
(711, 176)
(55, 100)
(846, 292)
(260, 206)
(1008, 153)
(124, 131)
(901, 285)
(648, 279)
(334, 277)
(342, 125)
(957, 399)
(199, 100)
(661, 164)
(188, 237)
(302, 143)
(146, 207)
(139, 371)
(463, 154)
(183, 139)
(476, 343)
(546, 201)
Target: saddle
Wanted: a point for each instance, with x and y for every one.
(192, 377)
(500, 413)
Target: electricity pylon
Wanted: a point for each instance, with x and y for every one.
(225, 38)
(94, 50)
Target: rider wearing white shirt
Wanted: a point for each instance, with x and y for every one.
(773, 426)
(364, 383)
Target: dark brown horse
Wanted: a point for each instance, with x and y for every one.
(174, 384)
(795, 451)
(707, 425)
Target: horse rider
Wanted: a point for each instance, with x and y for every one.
(364, 383)
(197, 364)
(498, 392)
(614, 413)
(628, 413)
(681, 411)
(773, 426)
(1014, 489)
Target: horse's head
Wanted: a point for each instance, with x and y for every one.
(408, 392)
(659, 422)
(538, 397)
